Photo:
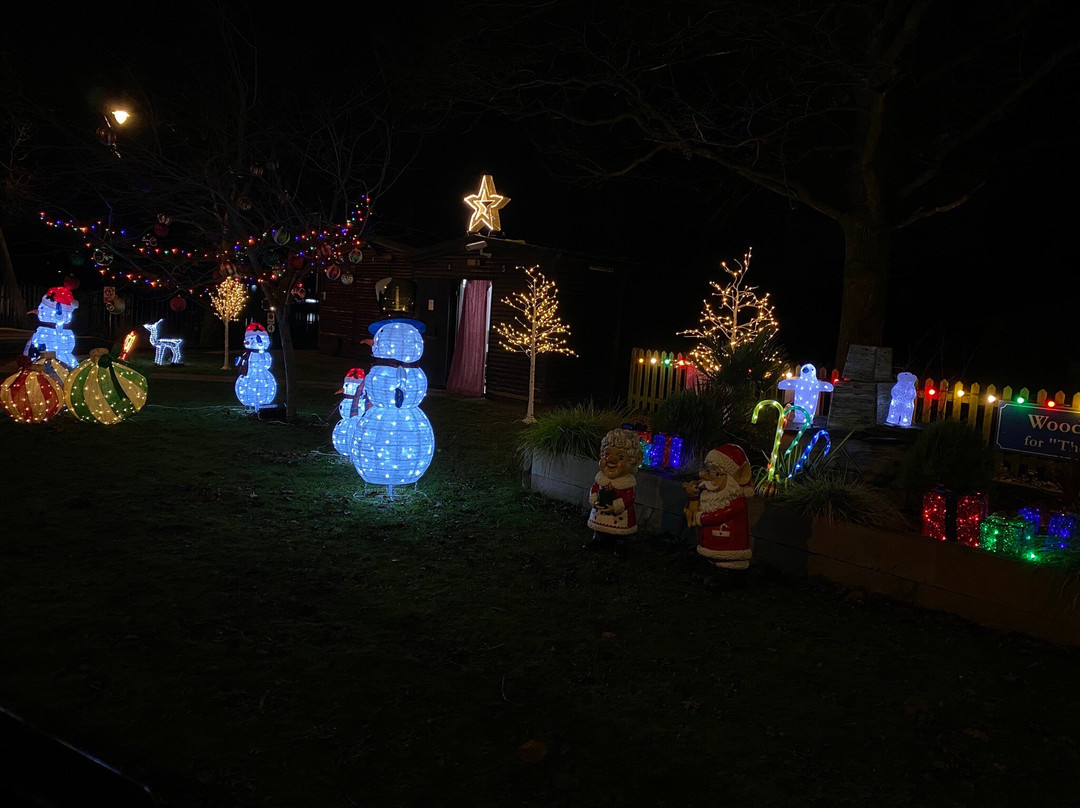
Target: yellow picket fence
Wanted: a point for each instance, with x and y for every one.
(655, 375)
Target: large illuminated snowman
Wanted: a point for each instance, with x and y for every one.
(256, 385)
(56, 309)
(394, 443)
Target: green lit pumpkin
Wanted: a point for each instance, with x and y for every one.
(105, 390)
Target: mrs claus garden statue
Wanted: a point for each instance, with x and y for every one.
(723, 526)
(612, 516)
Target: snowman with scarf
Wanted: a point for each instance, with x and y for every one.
(56, 309)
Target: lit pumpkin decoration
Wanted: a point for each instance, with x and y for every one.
(31, 396)
(104, 389)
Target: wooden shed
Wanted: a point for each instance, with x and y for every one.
(594, 294)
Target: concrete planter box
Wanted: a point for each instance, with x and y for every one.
(658, 499)
(1042, 601)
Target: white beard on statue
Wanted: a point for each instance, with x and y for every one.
(713, 499)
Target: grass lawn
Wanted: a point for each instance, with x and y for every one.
(220, 607)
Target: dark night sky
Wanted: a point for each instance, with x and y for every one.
(987, 289)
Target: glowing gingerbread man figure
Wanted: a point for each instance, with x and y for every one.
(808, 388)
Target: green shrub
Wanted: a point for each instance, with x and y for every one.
(948, 453)
(575, 430)
(842, 498)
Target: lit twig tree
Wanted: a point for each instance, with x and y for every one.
(739, 317)
(536, 329)
(228, 299)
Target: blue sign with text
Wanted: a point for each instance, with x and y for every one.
(1046, 431)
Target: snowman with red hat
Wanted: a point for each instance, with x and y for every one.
(723, 527)
(256, 386)
(55, 311)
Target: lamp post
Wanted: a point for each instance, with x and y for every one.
(106, 133)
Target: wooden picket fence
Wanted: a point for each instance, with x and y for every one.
(654, 375)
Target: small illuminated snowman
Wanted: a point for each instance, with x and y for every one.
(56, 309)
(255, 386)
(352, 406)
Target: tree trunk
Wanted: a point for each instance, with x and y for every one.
(225, 362)
(866, 266)
(288, 357)
(529, 417)
(11, 286)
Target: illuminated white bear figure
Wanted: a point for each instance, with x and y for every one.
(57, 307)
(394, 442)
(902, 406)
(256, 385)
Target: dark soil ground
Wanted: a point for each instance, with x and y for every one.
(219, 607)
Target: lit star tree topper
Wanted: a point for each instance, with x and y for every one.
(738, 316)
(536, 329)
(486, 205)
(228, 300)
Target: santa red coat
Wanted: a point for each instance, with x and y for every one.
(724, 535)
(622, 521)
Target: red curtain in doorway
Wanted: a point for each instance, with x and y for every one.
(470, 350)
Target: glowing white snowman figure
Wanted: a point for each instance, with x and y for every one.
(393, 443)
(57, 307)
(256, 385)
(352, 406)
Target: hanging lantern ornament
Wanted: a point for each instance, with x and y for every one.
(31, 396)
(356, 255)
(77, 259)
(346, 278)
(71, 282)
(104, 390)
(178, 303)
(282, 236)
(296, 261)
(333, 273)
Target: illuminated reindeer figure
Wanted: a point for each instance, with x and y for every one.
(163, 344)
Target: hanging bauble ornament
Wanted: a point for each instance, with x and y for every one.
(326, 250)
(164, 218)
(104, 389)
(243, 203)
(76, 259)
(256, 170)
(31, 396)
(282, 236)
(161, 229)
(333, 273)
(272, 260)
(115, 306)
(272, 165)
(296, 261)
(178, 303)
(228, 268)
(356, 255)
(346, 278)
(71, 282)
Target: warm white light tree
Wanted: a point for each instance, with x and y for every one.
(228, 299)
(536, 329)
(738, 317)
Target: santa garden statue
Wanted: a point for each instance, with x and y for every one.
(723, 527)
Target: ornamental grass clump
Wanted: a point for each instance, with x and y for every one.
(575, 430)
(840, 497)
